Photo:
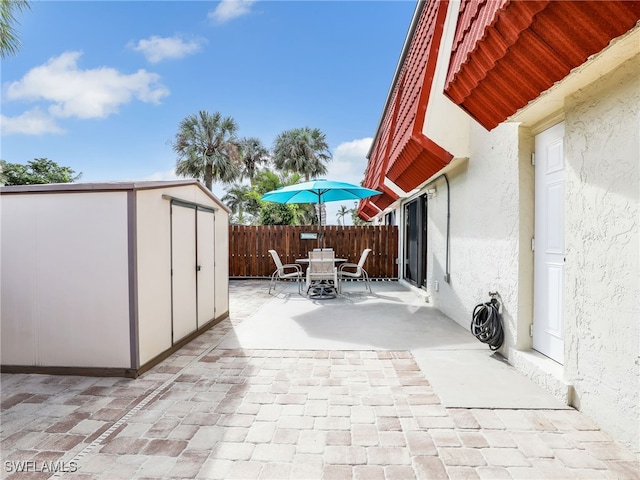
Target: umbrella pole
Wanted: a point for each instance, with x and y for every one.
(321, 239)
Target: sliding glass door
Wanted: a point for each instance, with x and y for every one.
(415, 242)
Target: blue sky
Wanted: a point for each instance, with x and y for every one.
(101, 87)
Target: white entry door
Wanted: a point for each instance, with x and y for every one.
(549, 253)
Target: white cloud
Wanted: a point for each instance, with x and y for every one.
(95, 93)
(230, 9)
(156, 49)
(349, 161)
(348, 165)
(32, 122)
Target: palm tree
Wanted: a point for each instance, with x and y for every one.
(252, 154)
(342, 212)
(302, 150)
(236, 198)
(207, 148)
(9, 41)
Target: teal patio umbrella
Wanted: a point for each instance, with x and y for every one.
(319, 191)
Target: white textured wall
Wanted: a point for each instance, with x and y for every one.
(486, 228)
(602, 268)
(491, 221)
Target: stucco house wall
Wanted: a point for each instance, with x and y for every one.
(602, 310)
(491, 231)
(491, 221)
(492, 206)
(484, 227)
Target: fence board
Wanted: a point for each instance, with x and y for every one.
(249, 247)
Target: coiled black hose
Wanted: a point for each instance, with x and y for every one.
(486, 324)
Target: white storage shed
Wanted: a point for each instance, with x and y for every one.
(108, 278)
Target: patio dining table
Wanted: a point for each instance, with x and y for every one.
(322, 289)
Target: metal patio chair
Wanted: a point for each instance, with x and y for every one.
(287, 271)
(322, 275)
(356, 270)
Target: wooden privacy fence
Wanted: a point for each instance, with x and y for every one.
(249, 247)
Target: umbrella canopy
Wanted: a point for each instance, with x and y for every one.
(319, 191)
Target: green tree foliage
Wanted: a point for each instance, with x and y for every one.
(302, 150)
(252, 154)
(35, 172)
(207, 148)
(307, 214)
(270, 213)
(278, 214)
(268, 180)
(9, 41)
(355, 219)
(236, 198)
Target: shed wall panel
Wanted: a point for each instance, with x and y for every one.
(154, 274)
(222, 261)
(77, 253)
(19, 285)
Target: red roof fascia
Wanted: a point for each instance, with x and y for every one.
(506, 53)
(367, 211)
(387, 198)
(419, 160)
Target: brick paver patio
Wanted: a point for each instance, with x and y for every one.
(285, 414)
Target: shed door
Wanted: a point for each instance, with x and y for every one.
(183, 269)
(548, 305)
(205, 267)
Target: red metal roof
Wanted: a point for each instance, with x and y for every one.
(401, 152)
(506, 53)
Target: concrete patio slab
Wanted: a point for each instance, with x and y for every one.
(463, 371)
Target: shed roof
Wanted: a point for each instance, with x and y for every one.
(107, 186)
